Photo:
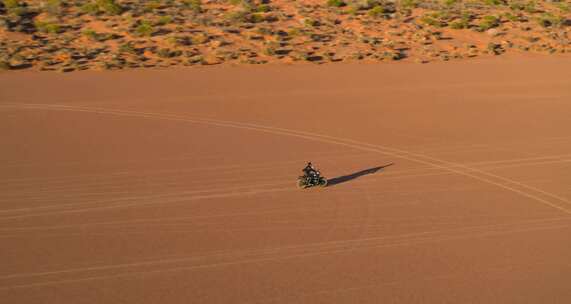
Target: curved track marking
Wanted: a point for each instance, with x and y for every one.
(410, 156)
(280, 257)
(320, 245)
(153, 202)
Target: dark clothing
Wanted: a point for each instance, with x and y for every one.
(309, 170)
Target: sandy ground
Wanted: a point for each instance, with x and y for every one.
(178, 186)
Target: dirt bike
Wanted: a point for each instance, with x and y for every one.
(306, 181)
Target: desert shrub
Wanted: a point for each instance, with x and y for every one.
(433, 19)
(168, 53)
(494, 48)
(47, 27)
(263, 8)
(127, 48)
(109, 7)
(194, 5)
(256, 18)
(409, 4)
(513, 18)
(310, 22)
(564, 7)
(517, 6)
(238, 16)
(459, 24)
(164, 20)
(52, 7)
(199, 39)
(294, 32)
(180, 41)
(495, 2)
(336, 3)
(90, 8)
(91, 34)
(451, 2)
(550, 20)
(488, 22)
(377, 11)
(530, 7)
(144, 29)
(11, 4)
(151, 5)
(463, 22)
(14, 7)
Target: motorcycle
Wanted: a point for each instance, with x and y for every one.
(306, 181)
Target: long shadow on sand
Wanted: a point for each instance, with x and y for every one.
(346, 178)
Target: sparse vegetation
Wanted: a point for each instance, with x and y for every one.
(144, 29)
(194, 5)
(550, 20)
(172, 32)
(488, 22)
(47, 27)
(109, 7)
(336, 3)
(52, 7)
(377, 11)
(164, 20)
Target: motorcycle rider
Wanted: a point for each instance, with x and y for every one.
(310, 171)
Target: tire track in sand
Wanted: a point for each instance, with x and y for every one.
(482, 176)
(256, 256)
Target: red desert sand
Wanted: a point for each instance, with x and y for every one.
(179, 186)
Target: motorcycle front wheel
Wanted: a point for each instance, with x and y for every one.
(301, 183)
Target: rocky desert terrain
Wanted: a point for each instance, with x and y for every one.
(55, 35)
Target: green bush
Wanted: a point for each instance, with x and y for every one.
(238, 16)
(550, 20)
(145, 29)
(462, 23)
(168, 53)
(53, 7)
(91, 34)
(310, 22)
(564, 7)
(127, 48)
(336, 3)
(432, 20)
(109, 7)
(47, 27)
(451, 2)
(377, 11)
(531, 7)
(263, 8)
(11, 4)
(256, 18)
(459, 24)
(14, 7)
(409, 4)
(90, 8)
(194, 5)
(495, 2)
(488, 22)
(164, 20)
